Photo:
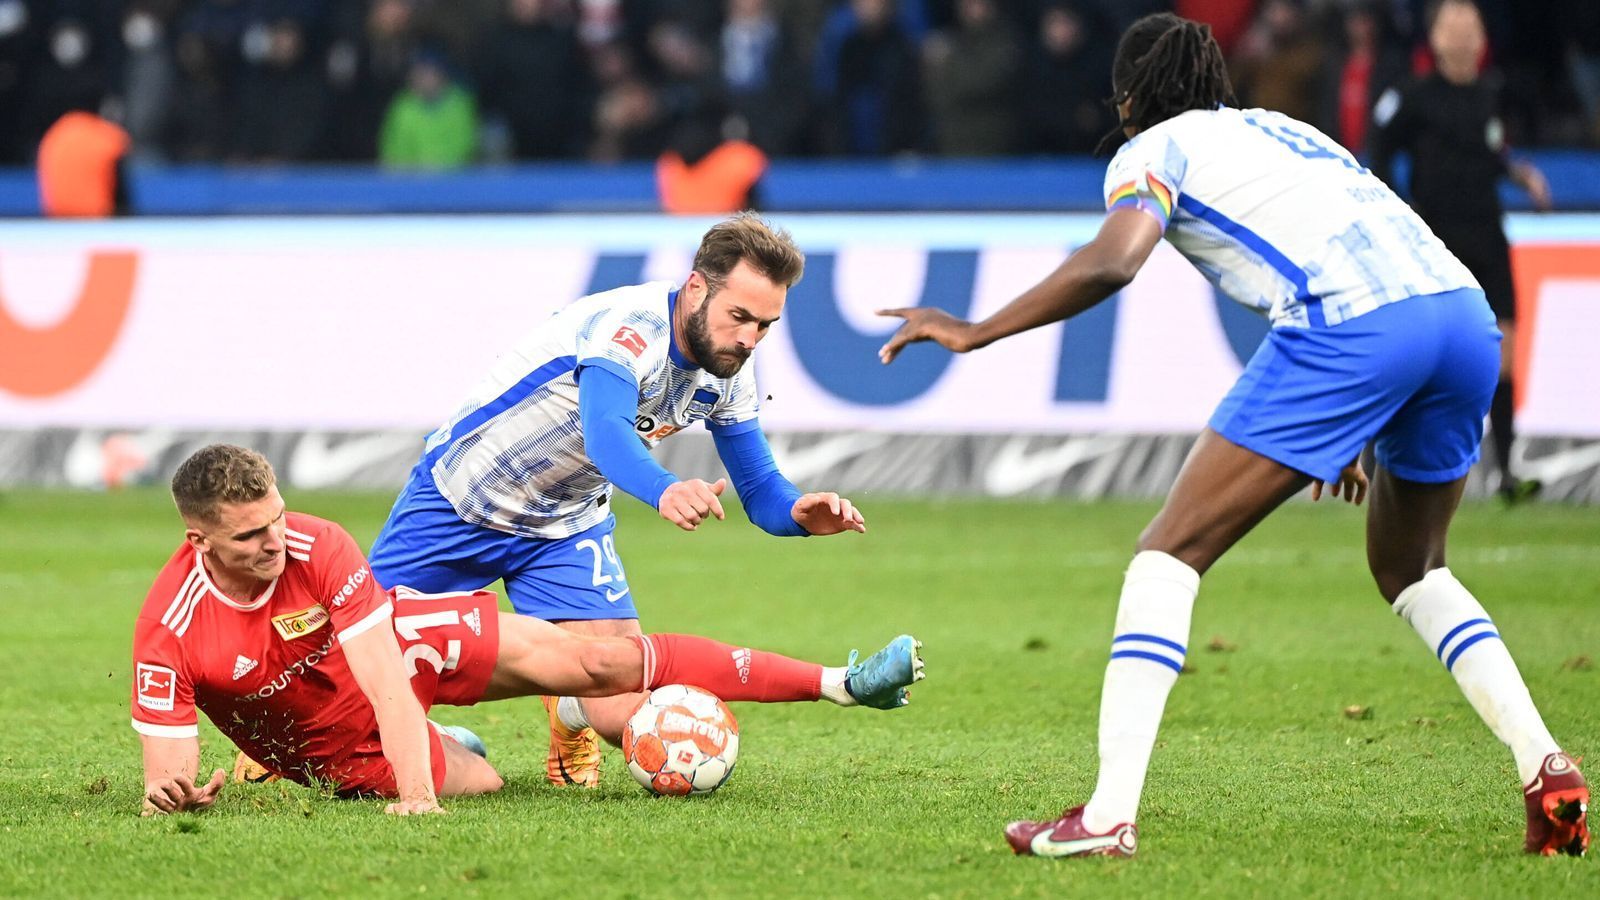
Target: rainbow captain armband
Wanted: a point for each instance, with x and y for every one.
(1146, 192)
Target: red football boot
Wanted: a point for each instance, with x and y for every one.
(1067, 836)
(1558, 804)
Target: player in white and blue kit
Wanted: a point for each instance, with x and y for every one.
(1379, 334)
(517, 484)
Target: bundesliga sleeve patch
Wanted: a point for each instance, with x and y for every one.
(631, 340)
(157, 686)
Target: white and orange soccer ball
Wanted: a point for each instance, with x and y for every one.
(681, 741)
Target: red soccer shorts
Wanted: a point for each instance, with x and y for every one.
(449, 643)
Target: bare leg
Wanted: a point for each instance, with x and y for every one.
(1407, 524)
(607, 715)
(466, 772)
(1502, 424)
(1221, 493)
(537, 657)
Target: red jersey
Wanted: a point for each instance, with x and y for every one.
(271, 674)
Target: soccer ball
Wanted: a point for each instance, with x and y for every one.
(681, 741)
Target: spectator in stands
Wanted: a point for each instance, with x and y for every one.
(1580, 19)
(282, 95)
(877, 91)
(149, 73)
(198, 128)
(532, 74)
(1229, 19)
(456, 27)
(971, 77)
(803, 21)
(1278, 60)
(367, 66)
(600, 22)
(686, 79)
(628, 123)
(432, 123)
(702, 18)
(840, 24)
(73, 67)
(204, 109)
(706, 170)
(1067, 81)
(81, 163)
(759, 60)
(17, 40)
(1368, 63)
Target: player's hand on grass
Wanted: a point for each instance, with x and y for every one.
(428, 806)
(179, 794)
(688, 503)
(827, 513)
(926, 324)
(1353, 481)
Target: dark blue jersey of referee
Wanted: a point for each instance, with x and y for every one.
(1456, 141)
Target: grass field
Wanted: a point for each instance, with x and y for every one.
(1261, 786)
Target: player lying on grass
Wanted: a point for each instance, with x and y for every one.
(270, 623)
(517, 484)
(1378, 334)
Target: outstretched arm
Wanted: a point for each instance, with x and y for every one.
(380, 672)
(771, 501)
(608, 401)
(1099, 269)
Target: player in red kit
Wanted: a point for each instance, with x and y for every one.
(270, 622)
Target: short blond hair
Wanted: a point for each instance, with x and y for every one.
(218, 474)
(768, 249)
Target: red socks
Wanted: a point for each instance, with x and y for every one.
(732, 673)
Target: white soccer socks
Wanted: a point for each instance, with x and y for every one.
(1455, 627)
(833, 689)
(1147, 652)
(572, 714)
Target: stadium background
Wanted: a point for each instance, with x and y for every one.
(922, 152)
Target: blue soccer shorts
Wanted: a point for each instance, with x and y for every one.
(426, 546)
(1417, 375)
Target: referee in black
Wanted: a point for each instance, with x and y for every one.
(1449, 124)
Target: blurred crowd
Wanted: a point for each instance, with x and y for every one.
(445, 83)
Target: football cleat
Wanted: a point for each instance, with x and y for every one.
(884, 680)
(1558, 806)
(1520, 490)
(1067, 836)
(248, 771)
(574, 756)
(464, 736)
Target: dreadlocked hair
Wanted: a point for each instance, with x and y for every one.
(1168, 65)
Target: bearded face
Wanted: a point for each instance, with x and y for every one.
(721, 360)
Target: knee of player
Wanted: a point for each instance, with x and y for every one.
(1392, 581)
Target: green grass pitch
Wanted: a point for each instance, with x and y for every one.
(1261, 785)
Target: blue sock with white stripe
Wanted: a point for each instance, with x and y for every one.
(1459, 632)
(1147, 651)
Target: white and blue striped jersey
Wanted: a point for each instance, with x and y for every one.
(512, 456)
(1279, 217)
